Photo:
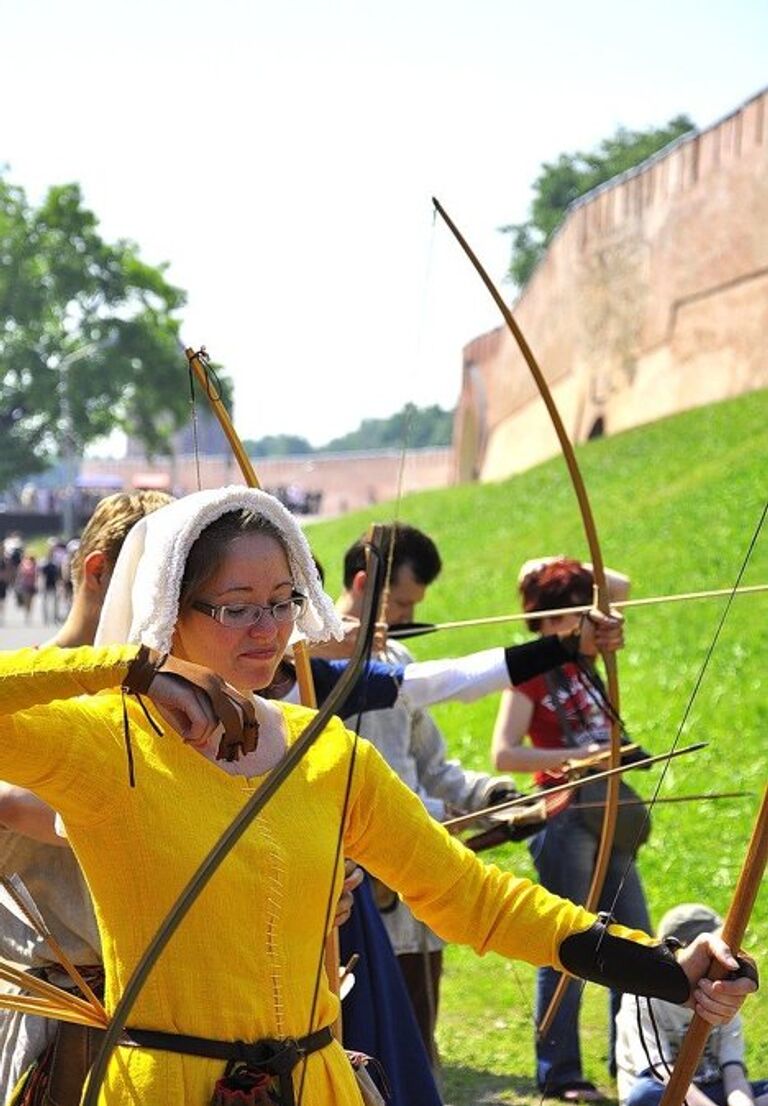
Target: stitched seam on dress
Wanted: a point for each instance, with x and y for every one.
(274, 946)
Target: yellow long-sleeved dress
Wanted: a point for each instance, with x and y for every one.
(243, 963)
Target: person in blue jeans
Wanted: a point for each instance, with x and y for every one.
(564, 855)
(650, 1033)
(562, 713)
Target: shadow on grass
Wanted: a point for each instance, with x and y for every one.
(463, 1086)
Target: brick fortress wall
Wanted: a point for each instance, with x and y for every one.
(652, 298)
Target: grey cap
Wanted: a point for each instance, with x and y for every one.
(688, 920)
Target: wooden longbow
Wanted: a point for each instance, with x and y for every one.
(602, 601)
(734, 928)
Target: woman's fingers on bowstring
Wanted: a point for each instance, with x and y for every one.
(601, 633)
(182, 683)
(185, 707)
(237, 715)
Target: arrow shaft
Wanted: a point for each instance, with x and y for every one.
(622, 604)
(466, 819)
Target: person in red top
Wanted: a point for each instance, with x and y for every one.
(562, 715)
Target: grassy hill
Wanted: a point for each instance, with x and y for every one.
(676, 504)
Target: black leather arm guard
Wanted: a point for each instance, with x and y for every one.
(651, 970)
(540, 655)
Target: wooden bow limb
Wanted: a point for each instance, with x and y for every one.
(733, 931)
(197, 363)
(601, 592)
(454, 824)
(415, 629)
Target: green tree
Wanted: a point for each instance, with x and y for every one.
(561, 182)
(88, 342)
(415, 427)
(277, 445)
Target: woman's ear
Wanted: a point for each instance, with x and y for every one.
(96, 572)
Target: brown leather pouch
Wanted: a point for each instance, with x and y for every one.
(58, 1077)
(75, 1048)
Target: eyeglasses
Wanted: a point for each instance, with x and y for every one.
(249, 614)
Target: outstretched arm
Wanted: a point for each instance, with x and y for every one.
(464, 900)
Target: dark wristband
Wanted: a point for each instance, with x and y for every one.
(142, 670)
(733, 1064)
(650, 970)
(532, 658)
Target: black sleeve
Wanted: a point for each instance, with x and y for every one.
(532, 658)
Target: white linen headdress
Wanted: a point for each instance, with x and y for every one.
(142, 601)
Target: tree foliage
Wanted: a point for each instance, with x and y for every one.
(561, 182)
(277, 445)
(88, 342)
(413, 427)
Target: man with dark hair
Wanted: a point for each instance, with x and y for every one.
(414, 555)
(414, 747)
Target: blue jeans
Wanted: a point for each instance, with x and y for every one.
(647, 1091)
(564, 854)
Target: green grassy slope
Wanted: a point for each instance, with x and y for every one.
(676, 504)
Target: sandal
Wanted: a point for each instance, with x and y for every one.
(579, 1090)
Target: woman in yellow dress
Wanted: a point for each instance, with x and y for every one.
(220, 579)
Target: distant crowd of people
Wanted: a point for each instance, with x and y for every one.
(29, 579)
(297, 499)
(44, 581)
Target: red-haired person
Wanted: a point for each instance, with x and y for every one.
(549, 719)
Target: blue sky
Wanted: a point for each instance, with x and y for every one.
(282, 157)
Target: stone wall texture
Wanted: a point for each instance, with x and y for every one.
(652, 298)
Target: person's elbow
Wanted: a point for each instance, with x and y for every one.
(24, 813)
(505, 759)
